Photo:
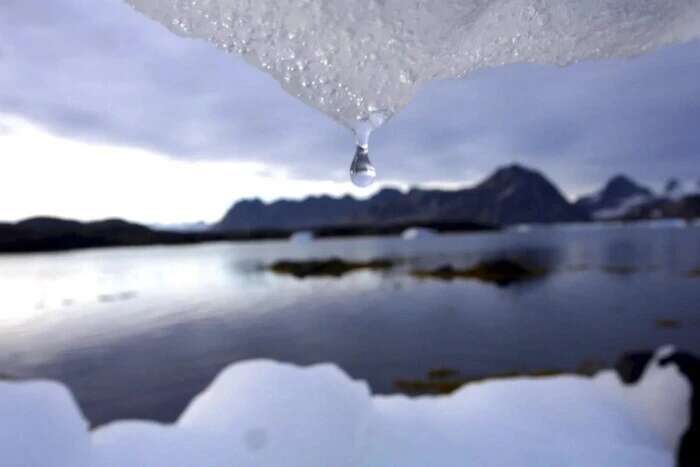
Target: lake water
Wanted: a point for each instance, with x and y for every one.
(137, 332)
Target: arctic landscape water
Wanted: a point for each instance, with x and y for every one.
(168, 319)
(138, 333)
(494, 348)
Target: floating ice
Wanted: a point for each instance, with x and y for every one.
(418, 233)
(303, 236)
(354, 58)
(270, 414)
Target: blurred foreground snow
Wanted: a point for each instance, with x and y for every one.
(263, 413)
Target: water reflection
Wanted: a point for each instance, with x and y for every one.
(166, 320)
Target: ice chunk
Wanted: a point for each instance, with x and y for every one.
(269, 414)
(303, 236)
(352, 58)
(41, 426)
(661, 398)
(258, 413)
(418, 233)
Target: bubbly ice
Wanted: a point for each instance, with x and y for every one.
(269, 414)
(355, 58)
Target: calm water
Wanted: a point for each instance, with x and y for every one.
(136, 332)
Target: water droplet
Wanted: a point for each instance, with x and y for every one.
(362, 172)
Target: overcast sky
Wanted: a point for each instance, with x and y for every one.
(105, 113)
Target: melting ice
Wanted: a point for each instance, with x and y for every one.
(354, 58)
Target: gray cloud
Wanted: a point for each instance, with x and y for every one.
(102, 72)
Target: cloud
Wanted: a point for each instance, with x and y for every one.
(102, 73)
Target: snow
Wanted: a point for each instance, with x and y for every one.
(681, 189)
(266, 413)
(353, 59)
(622, 208)
(41, 426)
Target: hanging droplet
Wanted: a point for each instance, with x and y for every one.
(362, 172)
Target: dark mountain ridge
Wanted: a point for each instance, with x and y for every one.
(511, 195)
(54, 234)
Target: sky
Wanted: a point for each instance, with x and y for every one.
(104, 113)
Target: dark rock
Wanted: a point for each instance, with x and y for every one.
(501, 272)
(631, 366)
(668, 323)
(333, 267)
(689, 450)
(445, 381)
(442, 373)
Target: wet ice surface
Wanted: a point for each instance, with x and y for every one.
(270, 414)
(352, 58)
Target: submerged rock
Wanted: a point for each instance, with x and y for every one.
(501, 272)
(442, 381)
(333, 267)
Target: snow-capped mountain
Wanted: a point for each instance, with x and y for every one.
(615, 199)
(676, 189)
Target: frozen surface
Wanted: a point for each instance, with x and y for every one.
(264, 413)
(354, 58)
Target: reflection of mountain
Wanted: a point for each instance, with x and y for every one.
(511, 195)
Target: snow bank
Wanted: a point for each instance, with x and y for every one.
(354, 58)
(41, 425)
(264, 413)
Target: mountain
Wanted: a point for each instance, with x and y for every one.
(686, 207)
(511, 195)
(616, 198)
(53, 234)
(676, 189)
